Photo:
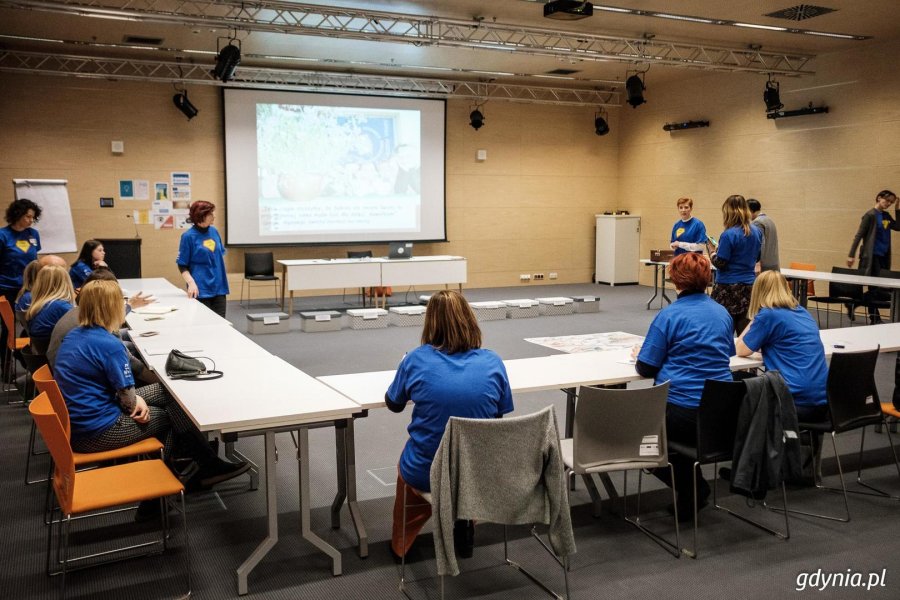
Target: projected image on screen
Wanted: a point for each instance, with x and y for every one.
(337, 169)
(305, 168)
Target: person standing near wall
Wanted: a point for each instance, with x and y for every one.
(736, 258)
(688, 233)
(201, 258)
(19, 245)
(768, 255)
(873, 239)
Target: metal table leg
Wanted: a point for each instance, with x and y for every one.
(271, 515)
(655, 286)
(346, 457)
(305, 529)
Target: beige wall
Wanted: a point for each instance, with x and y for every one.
(814, 175)
(527, 209)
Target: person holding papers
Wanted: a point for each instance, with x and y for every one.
(688, 233)
(92, 256)
(201, 258)
(735, 258)
(106, 411)
(689, 342)
(449, 375)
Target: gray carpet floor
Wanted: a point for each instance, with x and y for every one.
(614, 560)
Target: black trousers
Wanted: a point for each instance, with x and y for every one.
(215, 303)
(877, 294)
(681, 426)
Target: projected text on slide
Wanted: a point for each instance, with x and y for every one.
(338, 170)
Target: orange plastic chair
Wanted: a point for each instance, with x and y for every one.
(13, 343)
(81, 492)
(46, 384)
(810, 285)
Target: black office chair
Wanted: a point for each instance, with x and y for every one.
(717, 418)
(362, 291)
(852, 404)
(845, 294)
(258, 266)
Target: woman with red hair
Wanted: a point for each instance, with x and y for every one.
(201, 258)
(689, 342)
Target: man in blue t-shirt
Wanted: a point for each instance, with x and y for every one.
(688, 233)
(873, 239)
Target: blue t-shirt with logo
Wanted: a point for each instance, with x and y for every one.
(690, 341)
(790, 344)
(470, 384)
(883, 235)
(203, 253)
(692, 231)
(79, 272)
(41, 325)
(741, 251)
(17, 249)
(91, 367)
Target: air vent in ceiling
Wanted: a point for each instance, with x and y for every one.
(801, 12)
(140, 40)
(561, 72)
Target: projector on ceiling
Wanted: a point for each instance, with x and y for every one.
(568, 10)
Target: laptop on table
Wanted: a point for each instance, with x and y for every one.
(400, 250)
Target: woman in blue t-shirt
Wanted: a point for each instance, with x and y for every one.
(689, 342)
(789, 340)
(92, 255)
(449, 375)
(106, 411)
(688, 233)
(201, 258)
(23, 299)
(51, 298)
(19, 245)
(735, 258)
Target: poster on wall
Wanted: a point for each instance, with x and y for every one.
(126, 189)
(163, 221)
(162, 190)
(181, 185)
(141, 217)
(141, 189)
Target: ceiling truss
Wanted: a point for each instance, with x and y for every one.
(293, 18)
(192, 73)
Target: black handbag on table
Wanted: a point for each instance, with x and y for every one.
(181, 366)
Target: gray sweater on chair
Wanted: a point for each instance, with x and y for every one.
(506, 471)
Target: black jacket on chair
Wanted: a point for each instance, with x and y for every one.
(766, 444)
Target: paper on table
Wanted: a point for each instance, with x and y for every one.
(160, 350)
(154, 309)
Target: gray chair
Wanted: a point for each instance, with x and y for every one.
(621, 430)
(258, 266)
(507, 449)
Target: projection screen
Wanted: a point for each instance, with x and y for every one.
(306, 168)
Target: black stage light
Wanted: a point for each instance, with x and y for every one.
(634, 90)
(772, 97)
(227, 61)
(476, 119)
(568, 10)
(184, 105)
(601, 127)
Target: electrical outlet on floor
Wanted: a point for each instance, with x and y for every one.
(538, 276)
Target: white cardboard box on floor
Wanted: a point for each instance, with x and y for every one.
(490, 310)
(273, 322)
(320, 320)
(586, 304)
(521, 308)
(556, 305)
(407, 316)
(367, 318)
